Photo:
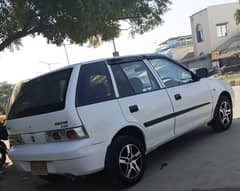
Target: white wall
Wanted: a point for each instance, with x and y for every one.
(209, 18)
(180, 52)
(222, 14)
(202, 19)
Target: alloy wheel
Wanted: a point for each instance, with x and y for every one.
(225, 113)
(130, 161)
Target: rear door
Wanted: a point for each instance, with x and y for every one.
(96, 102)
(191, 98)
(143, 102)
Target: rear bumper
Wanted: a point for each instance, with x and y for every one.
(75, 158)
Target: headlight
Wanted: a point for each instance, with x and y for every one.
(66, 134)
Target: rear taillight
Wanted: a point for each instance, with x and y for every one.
(71, 134)
(66, 135)
(56, 136)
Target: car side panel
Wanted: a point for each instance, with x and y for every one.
(194, 109)
(153, 108)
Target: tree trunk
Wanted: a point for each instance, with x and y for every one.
(7, 42)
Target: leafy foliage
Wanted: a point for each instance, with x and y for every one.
(5, 92)
(237, 16)
(78, 21)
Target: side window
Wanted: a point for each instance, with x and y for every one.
(171, 74)
(124, 87)
(136, 79)
(94, 84)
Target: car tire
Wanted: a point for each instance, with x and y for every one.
(223, 115)
(125, 163)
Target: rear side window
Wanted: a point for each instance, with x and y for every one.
(94, 84)
(124, 87)
(134, 78)
(41, 95)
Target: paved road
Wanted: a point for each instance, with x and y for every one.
(199, 161)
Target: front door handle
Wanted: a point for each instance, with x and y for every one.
(133, 108)
(178, 96)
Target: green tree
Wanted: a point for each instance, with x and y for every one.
(78, 21)
(5, 92)
(237, 16)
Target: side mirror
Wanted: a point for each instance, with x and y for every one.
(201, 73)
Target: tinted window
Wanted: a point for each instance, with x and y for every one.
(94, 84)
(41, 95)
(124, 87)
(139, 77)
(171, 73)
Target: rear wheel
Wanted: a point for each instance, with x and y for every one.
(223, 114)
(125, 161)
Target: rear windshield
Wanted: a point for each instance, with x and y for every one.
(41, 95)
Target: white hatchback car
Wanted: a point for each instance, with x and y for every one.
(109, 114)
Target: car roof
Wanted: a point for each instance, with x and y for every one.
(111, 61)
(121, 59)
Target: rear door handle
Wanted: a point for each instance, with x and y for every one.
(178, 96)
(133, 108)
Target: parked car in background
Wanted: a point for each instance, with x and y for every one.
(109, 114)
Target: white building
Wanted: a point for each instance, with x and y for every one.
(213, 27)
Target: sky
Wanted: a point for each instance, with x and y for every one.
(35, 55)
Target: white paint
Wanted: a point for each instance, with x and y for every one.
(103, 120)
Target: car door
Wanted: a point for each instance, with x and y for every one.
(191, 98)
(96, 102)
(143, 102)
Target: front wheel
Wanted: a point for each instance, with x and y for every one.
(223, 115)
(125, 163)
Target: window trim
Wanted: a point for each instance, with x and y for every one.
(199, 33)
(126, 78)
(154, 72)
(220, 25)
(149, 70)
(194, 77)
(114, 83)
(77, 88)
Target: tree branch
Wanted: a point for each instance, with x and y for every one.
(7, 42)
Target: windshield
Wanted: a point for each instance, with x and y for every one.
(41, 95)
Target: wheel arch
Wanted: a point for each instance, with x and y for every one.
(130, 130)
(226, 94)
(133, 131)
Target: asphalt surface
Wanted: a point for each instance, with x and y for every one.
(199, 161)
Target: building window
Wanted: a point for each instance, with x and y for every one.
(222, 30)
(199, 33)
